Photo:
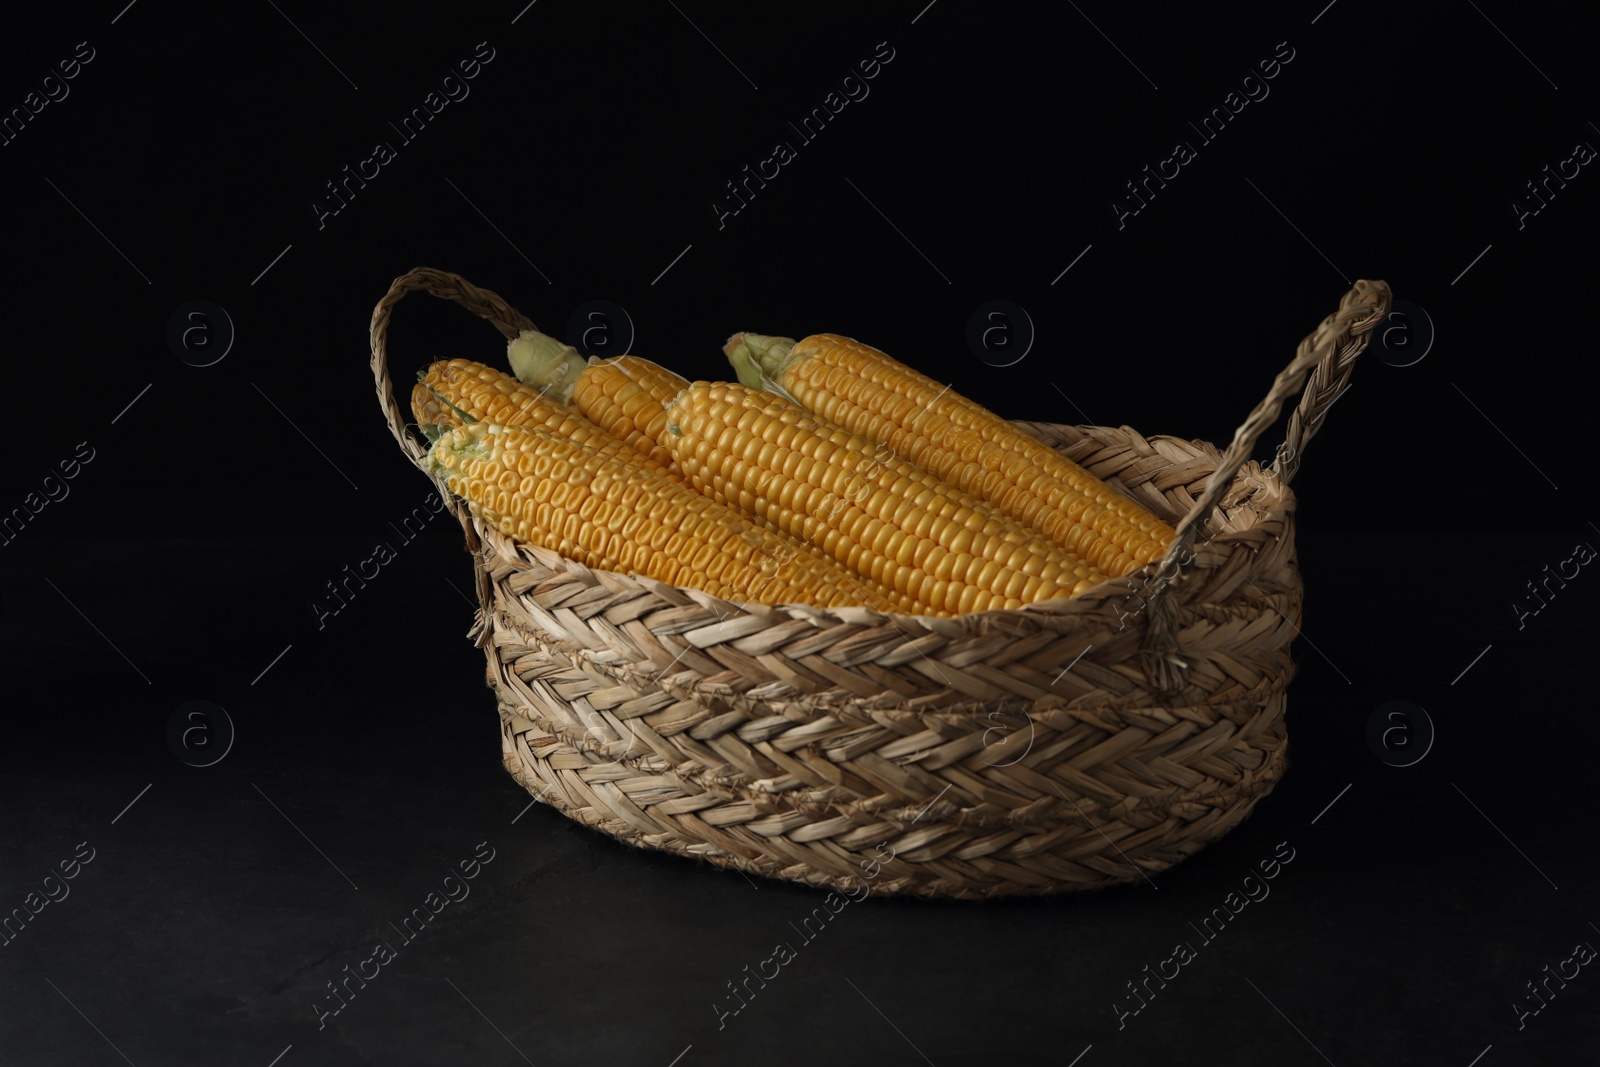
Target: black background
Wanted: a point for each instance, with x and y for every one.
(584, 165)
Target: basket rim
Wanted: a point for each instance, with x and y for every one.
(1260, 480)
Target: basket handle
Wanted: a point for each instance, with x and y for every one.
(1327, 355)
(441, 283)
(503, 317)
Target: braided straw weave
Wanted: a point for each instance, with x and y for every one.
(1070, 745)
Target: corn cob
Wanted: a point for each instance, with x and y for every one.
(488, 395)
(492, 395)
(596, 505)
(876, 513)
(871, 394)
(624, 395)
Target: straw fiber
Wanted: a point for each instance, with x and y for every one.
(1073, 744)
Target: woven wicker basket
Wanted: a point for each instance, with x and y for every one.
(1070, 745)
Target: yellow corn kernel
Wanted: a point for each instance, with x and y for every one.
(724, 437)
